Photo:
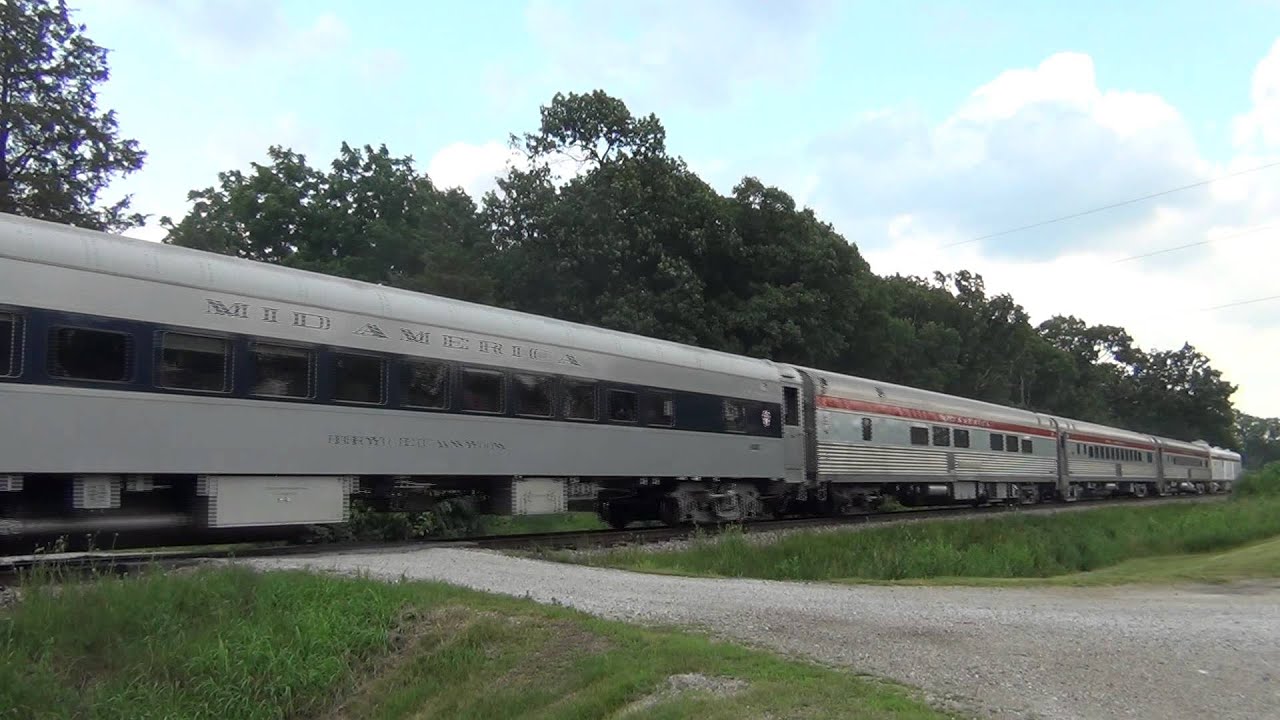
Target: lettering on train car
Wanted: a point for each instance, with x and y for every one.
(414, 442)
(417, 336)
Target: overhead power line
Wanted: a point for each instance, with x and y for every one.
(1115, 205)
(1242, 302)
(1195, 244)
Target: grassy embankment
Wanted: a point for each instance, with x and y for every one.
(232, 643)
(1164, 542)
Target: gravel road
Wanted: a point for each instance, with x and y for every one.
(1154, 653)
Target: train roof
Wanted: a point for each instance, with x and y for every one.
(1183, 446)
(1106, 431)
(859, 388)
(51, 243)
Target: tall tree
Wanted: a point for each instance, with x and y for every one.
(58, 151)
(1259, 439)
(372, 217)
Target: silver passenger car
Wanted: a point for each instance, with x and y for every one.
(142, 380)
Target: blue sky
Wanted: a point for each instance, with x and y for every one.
(909, 125)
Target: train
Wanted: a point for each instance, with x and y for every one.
(149, 386)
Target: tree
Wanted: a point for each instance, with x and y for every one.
(58, 151)
(372, 217)
(1259, 439)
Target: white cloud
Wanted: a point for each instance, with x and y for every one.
(474, 168)
(1259, 129)
(1038, 143)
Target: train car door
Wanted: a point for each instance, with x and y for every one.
(793, 430)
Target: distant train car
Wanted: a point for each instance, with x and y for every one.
(146, 385)
(1225, 468)
(1184, 467)
(1101, 460)
(874, 439)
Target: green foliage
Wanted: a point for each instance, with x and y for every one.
(1259, 439)
(58, 151)
(1022, 546)
(1264, 481)
(231, 643)
(370, 218)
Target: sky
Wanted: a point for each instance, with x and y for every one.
(915, 128)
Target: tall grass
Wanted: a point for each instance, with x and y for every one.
(1022, 546)
(227, 644)
(1265, 481)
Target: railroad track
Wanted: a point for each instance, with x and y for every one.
(14, 567)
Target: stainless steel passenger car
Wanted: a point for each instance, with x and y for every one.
(1104, 460)
(874, 439)
(142, 381)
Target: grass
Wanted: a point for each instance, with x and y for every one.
(1017, 546)
(558, 522)
(230, 642)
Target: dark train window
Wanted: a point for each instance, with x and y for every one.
(579, 400)
(997, 442)
(622, 405)
(8, 345)
(1149, 458)
(481, 390)
(961, 438)
(919, 436)
(358, 379)
(1090, 450)
(942, 436)
(791, 409)
(1026, 446)
(533, 395)
(866, 429)
(735, 420)
(83, 354)
(662, 410)
(425, 384)
(281, 371)
(194, 362)
(1011, 443)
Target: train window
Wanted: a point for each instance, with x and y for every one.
(1011, 443)
(919, 436)
(735, 420)
(662, 410)
(1026, 447)
(83, 354)
(425, 384)
(194, 362)
(281, 371)
(359, 379)
(482, 390)
(866, 429)
(791, 408)
(622, 405)
(579, 400)
(997, 442)
(961, 438)
(8, 345)
(533, 395)
(1149, 458)
(942, 436)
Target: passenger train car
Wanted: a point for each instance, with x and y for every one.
(149, 386)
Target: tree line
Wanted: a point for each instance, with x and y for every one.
(631, 240)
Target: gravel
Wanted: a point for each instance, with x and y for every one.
(1191, 652)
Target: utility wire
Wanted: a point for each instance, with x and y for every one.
(1195, 244)
(1242, 302)
(1113, 206)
